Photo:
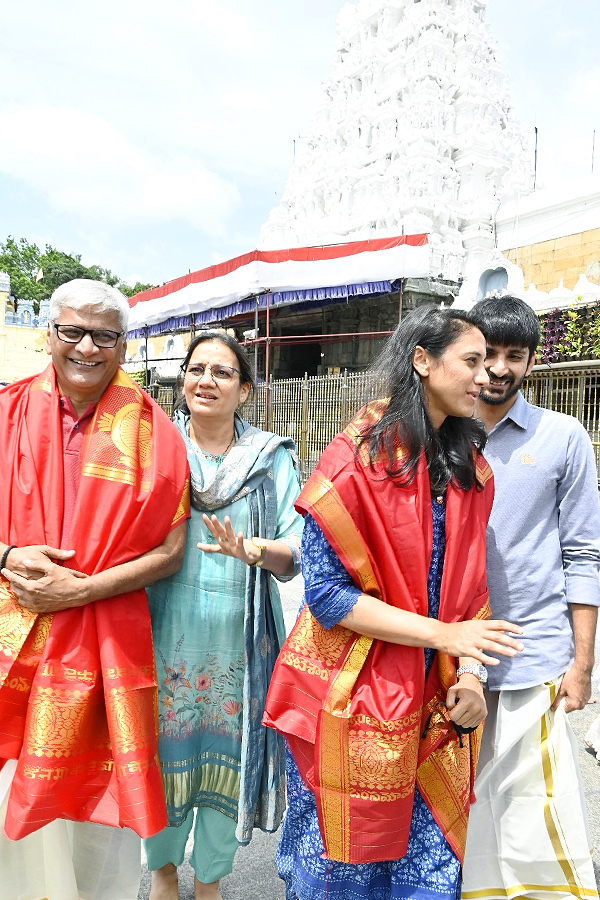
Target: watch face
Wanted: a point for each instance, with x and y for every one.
(482, 674)
(475, 669)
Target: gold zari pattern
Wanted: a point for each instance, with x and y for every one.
(57, 719)
(118, 447)
(15, 622)
(128, 709)
(312, 648)
(386, 759)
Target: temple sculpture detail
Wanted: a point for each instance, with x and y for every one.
(413, 133)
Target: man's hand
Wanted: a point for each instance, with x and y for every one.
(575, 689)
(31, 562)
(51, 589)
(576, 686)
(44, 587)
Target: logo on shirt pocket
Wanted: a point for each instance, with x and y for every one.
(527, 460)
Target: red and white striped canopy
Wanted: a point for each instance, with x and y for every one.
(296, 269)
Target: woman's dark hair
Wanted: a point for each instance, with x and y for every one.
(246, 376)
(449, 450)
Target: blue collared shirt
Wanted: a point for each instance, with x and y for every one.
(543, 537)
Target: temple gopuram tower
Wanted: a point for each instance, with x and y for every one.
(413, 133)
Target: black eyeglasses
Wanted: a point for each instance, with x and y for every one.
(218, 372)
(101, 337)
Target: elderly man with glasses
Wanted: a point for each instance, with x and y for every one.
(94, 508)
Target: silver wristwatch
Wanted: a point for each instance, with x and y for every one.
(474, 669)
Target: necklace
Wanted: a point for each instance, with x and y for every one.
(216, 457)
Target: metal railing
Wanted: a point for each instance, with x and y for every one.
(571, 388)
(312, 410)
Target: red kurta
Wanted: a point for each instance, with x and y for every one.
(362, 723)
(78, 687)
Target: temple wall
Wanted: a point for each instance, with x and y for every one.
(546, 263)
(22, 350)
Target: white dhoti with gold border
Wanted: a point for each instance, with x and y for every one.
(528, 832)
(67, 860)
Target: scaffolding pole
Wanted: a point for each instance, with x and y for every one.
(267, 360)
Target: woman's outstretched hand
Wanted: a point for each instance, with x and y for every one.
(228, 542)
(478, 638)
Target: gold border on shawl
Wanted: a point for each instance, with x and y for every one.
(111, 473)
(44, 380)
(183, 510)
(437, 779)
(446, 770)
(365, 418)
(334, 783)
(340, 686)
(333, 735)
(325, 500)
(483, 470)
(334, 755)
(333, 772)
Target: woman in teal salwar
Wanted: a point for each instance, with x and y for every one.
(218, 625)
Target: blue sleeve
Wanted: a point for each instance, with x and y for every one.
(579, 520)
(289, 522)
(328, 588)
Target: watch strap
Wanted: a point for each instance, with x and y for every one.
(476, 669)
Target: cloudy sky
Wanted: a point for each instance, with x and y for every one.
(154, 138)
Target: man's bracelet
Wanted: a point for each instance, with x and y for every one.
(4, 556)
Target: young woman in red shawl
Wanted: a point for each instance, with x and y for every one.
(378, 688)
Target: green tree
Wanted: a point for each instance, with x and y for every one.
(136, 289)
(59, 267)
(23, 261)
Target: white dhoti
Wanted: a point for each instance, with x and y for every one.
(67, 860)
(528, 833)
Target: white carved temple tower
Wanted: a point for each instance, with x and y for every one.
(413, 133)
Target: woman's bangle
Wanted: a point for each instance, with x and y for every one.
(4, 556)
(263, 552)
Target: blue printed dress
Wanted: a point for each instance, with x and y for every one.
(430, 870)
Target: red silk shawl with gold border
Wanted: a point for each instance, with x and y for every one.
(78, 706)
(363, 725)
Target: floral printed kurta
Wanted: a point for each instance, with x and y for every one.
(198, 627)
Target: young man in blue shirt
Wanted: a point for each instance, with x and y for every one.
(528, 829)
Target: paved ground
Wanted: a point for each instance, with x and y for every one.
(254, 876)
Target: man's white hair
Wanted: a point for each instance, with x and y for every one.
(83, 292)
